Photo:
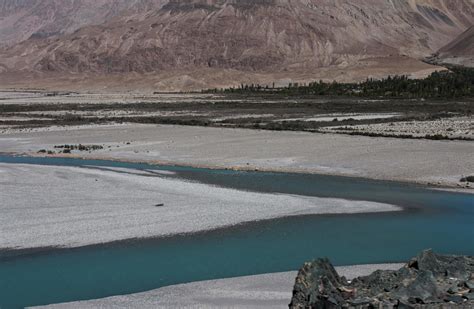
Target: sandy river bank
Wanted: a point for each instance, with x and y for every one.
(44, 206)
(441, 163)
(260, 291)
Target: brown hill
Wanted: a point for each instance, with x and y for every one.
(193, 44)
(460, 51)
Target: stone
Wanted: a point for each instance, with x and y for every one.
(427, 281)
(454, 298)
(403, 305)
(317, 282)
(469, 296)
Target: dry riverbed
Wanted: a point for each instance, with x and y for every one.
(450, 128)
(415, 119)
(439, 163)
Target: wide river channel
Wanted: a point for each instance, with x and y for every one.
(430, 218)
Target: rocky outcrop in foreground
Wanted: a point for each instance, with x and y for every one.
(427, 281)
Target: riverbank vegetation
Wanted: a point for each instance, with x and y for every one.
(278, 109)
(456, 83)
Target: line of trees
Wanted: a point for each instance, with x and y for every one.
(458, 82)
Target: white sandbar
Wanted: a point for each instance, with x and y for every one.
(71, 206)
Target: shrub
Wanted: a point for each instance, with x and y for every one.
(467, 179)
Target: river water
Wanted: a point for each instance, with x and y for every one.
(434, 219)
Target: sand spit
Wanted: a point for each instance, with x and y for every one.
(441, 163)
(260, 291)
(71, 206)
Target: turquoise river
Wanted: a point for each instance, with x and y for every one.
(430, 218)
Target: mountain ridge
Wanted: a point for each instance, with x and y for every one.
(24, 19)
(255, 37)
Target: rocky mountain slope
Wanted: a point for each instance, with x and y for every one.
(23, 19)
(188, 43)
(459, 52)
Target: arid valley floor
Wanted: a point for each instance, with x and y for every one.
(237, 154)
(381, 139)
(393, 140)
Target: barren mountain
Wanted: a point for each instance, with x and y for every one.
(194, 44)
(460, 51)
(23, 19)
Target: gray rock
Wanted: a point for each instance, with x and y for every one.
(454, 299)
(440, 265)
(318, 282)
(426, 281)
(469, 296)
(421, 286)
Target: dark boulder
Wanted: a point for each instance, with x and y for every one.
(426, 281)
(318, 282)
(443, 265)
